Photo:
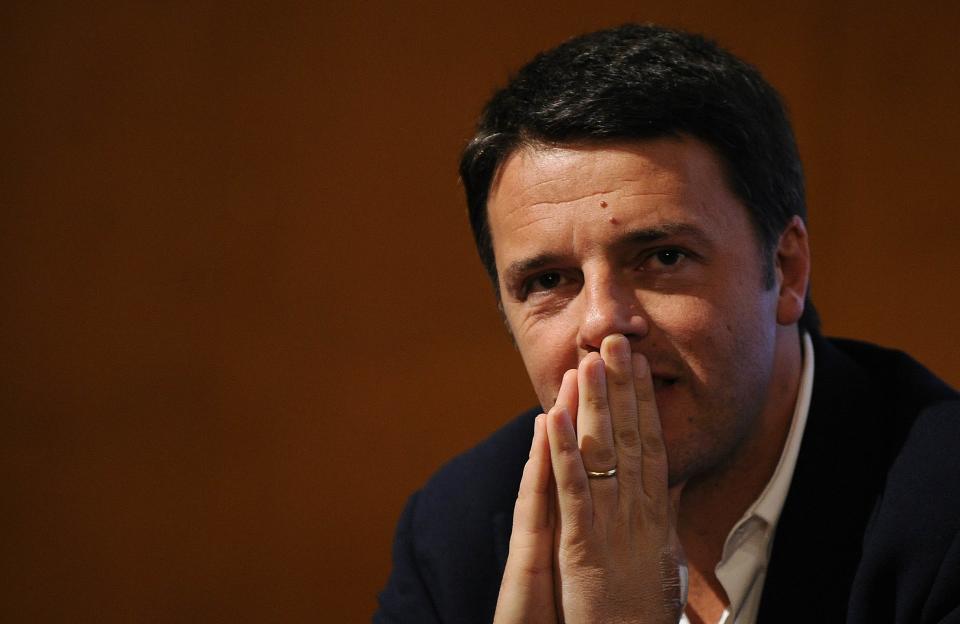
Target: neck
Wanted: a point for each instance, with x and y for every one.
(712, 505)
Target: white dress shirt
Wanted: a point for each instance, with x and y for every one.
(743, 567)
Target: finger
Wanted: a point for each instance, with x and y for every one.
(595, 433)
(574, 505)
(526, 591)
(653, 452)
(622, 399)
(568, 395)
(593, 416)
(531, 512)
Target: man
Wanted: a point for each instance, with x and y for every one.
(637, 199)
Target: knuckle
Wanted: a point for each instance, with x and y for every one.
(646, 404)
(597, 401)
(575, 488)
(567, 449)
(658, 482)
(573, 550)
(653, 444)
(534, 570)
(628, 438)
(620, 379)
(603, 458)
(630, 471)
(534, 567)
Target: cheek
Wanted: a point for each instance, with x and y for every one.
(681, 318)
(702, 332)
(548, 351)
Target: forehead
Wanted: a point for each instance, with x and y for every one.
(586, 195)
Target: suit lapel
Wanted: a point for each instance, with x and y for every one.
(838, 474)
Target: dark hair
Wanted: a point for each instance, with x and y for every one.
(646, 82)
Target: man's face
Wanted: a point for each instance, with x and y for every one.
(643, 239)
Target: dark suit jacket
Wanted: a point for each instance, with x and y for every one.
(870, 530)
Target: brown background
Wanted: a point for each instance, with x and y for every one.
(241, 315)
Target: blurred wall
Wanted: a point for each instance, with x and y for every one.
(241, 314)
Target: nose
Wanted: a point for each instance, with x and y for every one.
(609, 307)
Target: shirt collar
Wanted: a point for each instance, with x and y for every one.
(746, 550)
(770, 502)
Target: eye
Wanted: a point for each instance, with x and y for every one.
(664, 258)
(669, 257)
(544, 281)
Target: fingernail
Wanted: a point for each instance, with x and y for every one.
(538, 424)
(600, 372)
(621, 347)
(616, 346)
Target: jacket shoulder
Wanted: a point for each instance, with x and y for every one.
(481, 479)
(911, 549)
(908, 569)
(891, 372)
(452, 539)
(871, 408)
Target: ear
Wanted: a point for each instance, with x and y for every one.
(793, 271)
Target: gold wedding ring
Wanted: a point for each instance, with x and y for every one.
(606, 474)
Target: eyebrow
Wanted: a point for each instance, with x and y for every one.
(631, 238)
(521, 267)
(662, 231)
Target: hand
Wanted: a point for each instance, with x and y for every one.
(617, 552)
(596, 550)
(526, 591)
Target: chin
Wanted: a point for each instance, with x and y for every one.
(682, 466)
(671, 408)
